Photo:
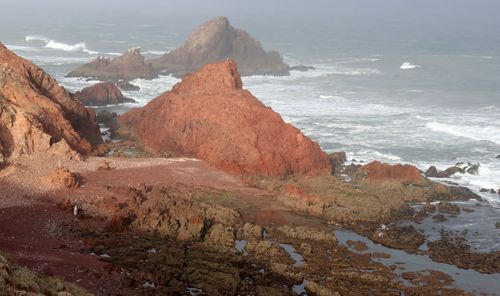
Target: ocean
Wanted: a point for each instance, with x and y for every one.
(400, 93)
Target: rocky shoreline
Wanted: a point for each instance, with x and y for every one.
(206, 191)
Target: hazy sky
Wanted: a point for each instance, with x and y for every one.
(472, 21)
(481, 12)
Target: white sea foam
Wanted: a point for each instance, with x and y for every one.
(156, 52)
(29, 38)
(150, 89)
(52, 60)
(408, 66)
(474, 132)
(52, 44)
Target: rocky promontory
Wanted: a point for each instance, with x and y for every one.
(208, 115)
(102, 94)
(130, 65)
(36, 112)
(217, 40)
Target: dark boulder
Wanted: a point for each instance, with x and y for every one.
(102, 94)
(127, 86)
(302, 68)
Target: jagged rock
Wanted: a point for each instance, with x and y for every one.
(314, 289)
(35, 112)
(217, 40)
(250, 231)
(448, 208)
(209, 116)
(128, 66)
(102, 94)
(127, 86)
(220, 235)
(432, 172)
(337, 160)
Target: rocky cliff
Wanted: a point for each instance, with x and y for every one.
(128, 66)
(217, 40)
(36, 112)
(209, 116)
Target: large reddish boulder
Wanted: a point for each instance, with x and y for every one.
(216, 40)
(128, 66)
(36, 112)
(209, 116)
(380, 172)
(102, 94)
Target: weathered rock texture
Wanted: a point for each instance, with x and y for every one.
(102, 94)
(381, 172)
(209, 116)
(217, 40)
(128, 66)
(36, 112)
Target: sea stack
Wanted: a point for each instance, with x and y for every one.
(208, 115)
(128, 66)
(102, 94)
(215, 41)
(36, 112)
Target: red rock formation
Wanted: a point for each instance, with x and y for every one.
(380, 172)
(101, 94)
(128, 66)
(209, 116)
(35, 112)
(215, 41)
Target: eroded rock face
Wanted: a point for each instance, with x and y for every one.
(102, 94)
(128, 66)
(217, 40)
(209, 116)
(36, 112)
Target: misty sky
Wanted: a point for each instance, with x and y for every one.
(475, 13)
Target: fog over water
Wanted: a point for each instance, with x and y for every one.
(441, 108)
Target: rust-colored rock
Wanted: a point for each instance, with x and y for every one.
(216, 40)
(61, 178)
(36, 112)
(380, 172)
(128, 66)
(209, 116)
(102, 94)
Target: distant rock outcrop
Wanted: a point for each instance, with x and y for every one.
(36, 112)
(215, 41)
(209, 116)
(102, 94)
(128, 66)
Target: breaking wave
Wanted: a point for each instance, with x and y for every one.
(477, 133)
(53, 44)
(408, 66)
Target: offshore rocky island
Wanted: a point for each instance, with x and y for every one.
(207, 191)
